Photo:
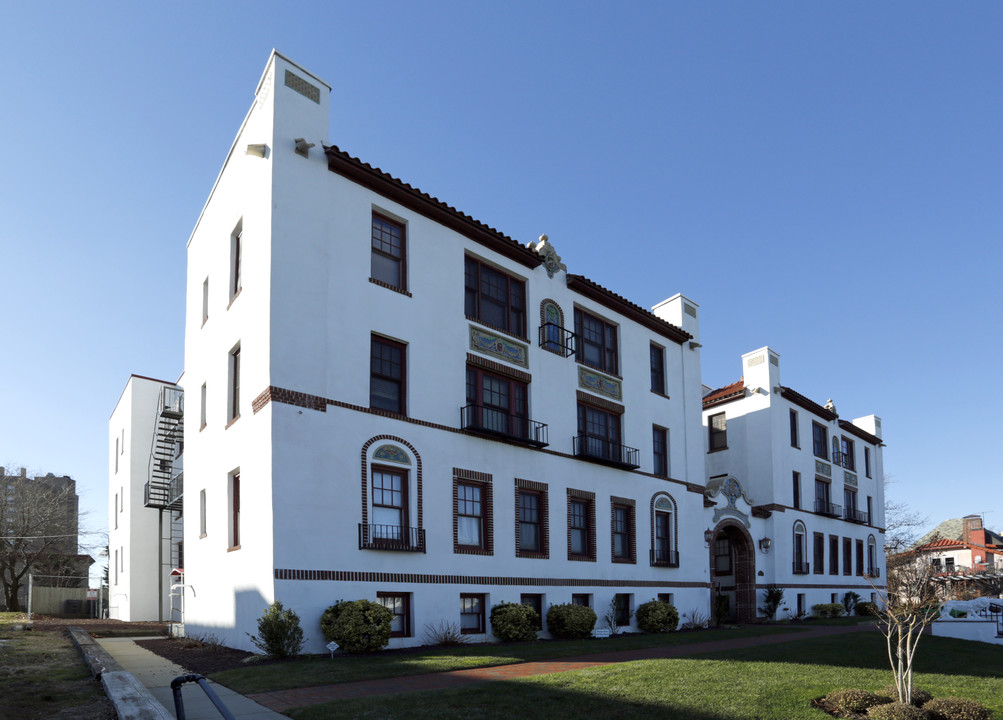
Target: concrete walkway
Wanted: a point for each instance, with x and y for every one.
(156, 673)
(282, 700)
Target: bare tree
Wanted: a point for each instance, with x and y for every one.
(903, 525)
(38, 528)
(909, 605)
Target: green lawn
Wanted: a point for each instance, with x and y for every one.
(325, 671)
(776, 681)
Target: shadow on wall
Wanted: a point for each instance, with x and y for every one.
(248, 606)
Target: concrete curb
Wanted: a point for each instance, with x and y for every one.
(132, 701)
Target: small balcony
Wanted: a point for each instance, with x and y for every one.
(176, 489)
(800, 567)
(490, 422)
(664, 558)
(557, 340)
(607, 452)
(172, 403)
(824, 507)
(844, 460)
(391, 537)
(856, 516)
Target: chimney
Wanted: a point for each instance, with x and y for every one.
(972, 531)
(24, 472)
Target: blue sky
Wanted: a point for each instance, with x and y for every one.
(821, 178)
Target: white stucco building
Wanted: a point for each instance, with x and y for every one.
(390, 400)
(145, 484)
(811, 483)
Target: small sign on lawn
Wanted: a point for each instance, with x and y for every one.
(332, 646)
(603, 633)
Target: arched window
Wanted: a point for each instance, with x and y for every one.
(552, 328)
(391, 496)
(800, 549)
(664, 550)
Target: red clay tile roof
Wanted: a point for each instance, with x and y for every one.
(862, 434)
(942, 543)
(809, 405)
(725, 394)
(622, 305)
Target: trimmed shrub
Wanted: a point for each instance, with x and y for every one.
(898, 711)
(854, 701)
(279, 632)
(828, 610)
(656, 616)
(511, 622)
(957, 709)
(357, 626)
(919, 697)
(568, 621)
(866, 608)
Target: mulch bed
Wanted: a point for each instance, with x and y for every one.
(203, 658)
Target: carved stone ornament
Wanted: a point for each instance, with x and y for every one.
(551, 260)
(730, 488)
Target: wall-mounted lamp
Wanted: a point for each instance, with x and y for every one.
(303, 147)
(708, 535)
(764, 544)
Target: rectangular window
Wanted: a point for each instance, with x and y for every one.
(387, 377)
(667, 598)
(717, 427)
(116, 454)
(205, 300)
(496, 404)
(823, 498)
(399, 606)
(202, 532)
(469, 515)
(660, 451)
(116, 567)
(621, 609)
(597, 344)
(850, 504)
(622, 530)
(202, 407)
(389, 504)
(846, 453)
(389, 252)
(599, 433)
(819, 557)
(472, 613)
(583, 599)
(722, 556)
(847, 556)
(535, 601)
(832, 598)
(581, 528)
(867, 461)
(494, 297)
(820, 441)
(234, 510)
(860, 557)
(529, 522)
(663, 538)
(949, 564)
(236, 260)
(657, 369)
(794, 429)
(834, 555)
(870, 510)
(802, 606)
(797, 490)
(234, 384)
(116, 511)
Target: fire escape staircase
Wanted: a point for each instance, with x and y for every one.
(165, 487)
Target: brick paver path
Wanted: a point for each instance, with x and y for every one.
(281, 700)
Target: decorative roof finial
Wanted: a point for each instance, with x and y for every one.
(551, 260)
(831, 407)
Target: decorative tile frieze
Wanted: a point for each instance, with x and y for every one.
(499, 346)
(849, 479)
(598, 383)
(823, 469)
(391, 453)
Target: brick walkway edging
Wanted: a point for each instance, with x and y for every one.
(282, 700)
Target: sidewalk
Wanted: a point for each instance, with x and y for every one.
(156, 673)
(281, 700)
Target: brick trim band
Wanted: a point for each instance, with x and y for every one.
(427, 579)
(498, 368)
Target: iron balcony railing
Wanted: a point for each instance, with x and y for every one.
(857, 516)
(844, 460)
(800, 567)
(489, 421)
(824, 507)
(391, 537)
(557, 340)
(664, 558)
(606, 451)
(177, 488)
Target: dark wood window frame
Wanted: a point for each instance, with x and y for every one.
(379, 499)
(717, 432)
(722, 549)
(472, 606)
(387, 368)
(583, 599)
(389, 253)
(818, 552)
(535, 601)
(482, 481)
(820, 440)
(657, 353)
(235, 511)
(234, 384)
(400, 607)
(860, 557)
(596, 335)
(623, 526)
(484, 288)
(526, 492)
(796, 479)
(867, 461)
(236, 280)
(659, 451)
(621, 609)
(847, 556)
(834, 554)
(795, 437)
(516, 411)
(470, 503)
(846, 450)
(582, 518)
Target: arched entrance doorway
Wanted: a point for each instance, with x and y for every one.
(733, 572)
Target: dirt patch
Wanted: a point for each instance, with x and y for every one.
(100, 627)
(201, 658)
